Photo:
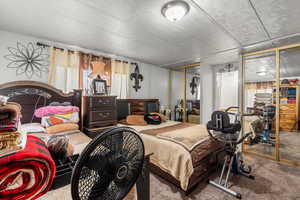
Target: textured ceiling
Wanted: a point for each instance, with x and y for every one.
(136, 28)
(289, 66)
(260, 63)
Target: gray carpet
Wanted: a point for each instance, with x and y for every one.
(273, 181)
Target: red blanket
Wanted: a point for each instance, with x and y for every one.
(27, 174)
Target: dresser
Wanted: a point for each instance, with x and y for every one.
(99, 113)
(289, 107)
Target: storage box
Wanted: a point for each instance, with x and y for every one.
(64, 170)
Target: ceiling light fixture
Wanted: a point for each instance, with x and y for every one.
(175, 10)
(261, 73)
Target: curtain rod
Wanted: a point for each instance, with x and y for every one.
(104, 57)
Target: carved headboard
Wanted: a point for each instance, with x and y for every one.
(32, 94)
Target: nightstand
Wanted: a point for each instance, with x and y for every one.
(99, 113)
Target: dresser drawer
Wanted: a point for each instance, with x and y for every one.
(102, 102)
(287, 126)
(288, 108)
(289, 116)
(102, 115)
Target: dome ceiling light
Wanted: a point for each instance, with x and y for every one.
(261, 73)
(175, 10)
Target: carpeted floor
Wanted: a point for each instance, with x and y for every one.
(289, 146)
(273, 181)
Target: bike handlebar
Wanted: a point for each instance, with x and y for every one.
(238, 113)
(231, 107)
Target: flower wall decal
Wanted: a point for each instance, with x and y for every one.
(29, 60)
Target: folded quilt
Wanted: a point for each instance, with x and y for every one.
(9, 112)
(11, 141)
(51, 110)
(31, 176)
(8, 136)
(60, 119)
(11, 126)
(61, 128)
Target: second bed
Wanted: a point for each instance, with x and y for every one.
(183, 153)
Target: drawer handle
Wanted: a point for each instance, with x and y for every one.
(103, 114)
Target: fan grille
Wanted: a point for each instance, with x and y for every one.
(109, 166)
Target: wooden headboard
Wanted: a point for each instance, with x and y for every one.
(31, 95)
(136, 107)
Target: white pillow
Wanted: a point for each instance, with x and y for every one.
(33, 128)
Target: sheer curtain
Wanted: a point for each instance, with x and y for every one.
(64, 69)
(120, 76)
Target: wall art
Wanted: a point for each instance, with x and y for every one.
(30, 59)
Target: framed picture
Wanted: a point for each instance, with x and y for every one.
(99, 86)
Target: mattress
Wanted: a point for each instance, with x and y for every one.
(173, 151)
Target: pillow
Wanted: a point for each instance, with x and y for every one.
(137, 120)
(33, 128)
(3, 100)
(62, 128)
(162, 117)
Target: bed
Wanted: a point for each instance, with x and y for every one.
(31, 95)
(183, 153)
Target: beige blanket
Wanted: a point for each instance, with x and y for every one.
(185, 134)
(171, 152)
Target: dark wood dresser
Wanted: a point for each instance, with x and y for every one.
(99, 113)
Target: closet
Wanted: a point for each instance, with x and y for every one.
(271, 82)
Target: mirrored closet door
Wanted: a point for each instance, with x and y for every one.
(289, 105)
(193, 95)
(271, 95)
(177, 94)
(259, 100)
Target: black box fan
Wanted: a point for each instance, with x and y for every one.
(109, 166)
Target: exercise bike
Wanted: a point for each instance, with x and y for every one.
(220, 128)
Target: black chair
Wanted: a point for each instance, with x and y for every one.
(220, 121)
